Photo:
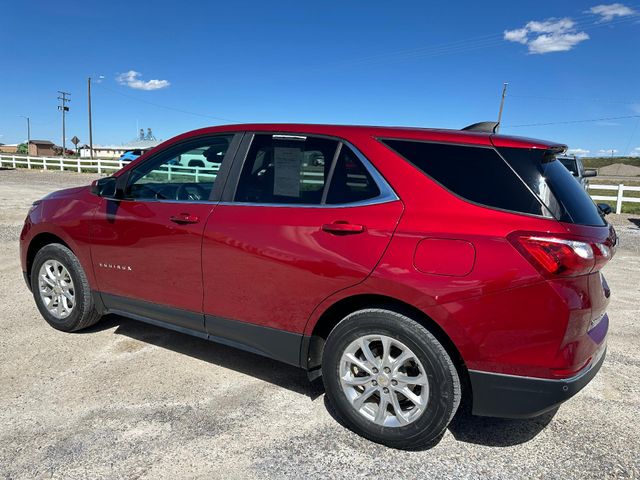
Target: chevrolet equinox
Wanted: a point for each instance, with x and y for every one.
(407, 267)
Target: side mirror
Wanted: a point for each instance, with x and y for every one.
(590, 173)
(604, 208)
(104, 187)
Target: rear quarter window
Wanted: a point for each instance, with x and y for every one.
(477, 174)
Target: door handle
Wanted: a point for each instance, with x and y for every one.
(184, 218)
(342, 228)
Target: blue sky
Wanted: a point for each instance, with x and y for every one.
(179, 66)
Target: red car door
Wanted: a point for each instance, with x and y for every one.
(146, 248)
(307, 219)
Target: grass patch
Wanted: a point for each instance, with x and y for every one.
(627, 207)
(604, 161)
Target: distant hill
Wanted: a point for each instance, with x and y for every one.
(599, 162)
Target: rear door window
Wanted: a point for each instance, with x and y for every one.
(477, 174)
(302, 169)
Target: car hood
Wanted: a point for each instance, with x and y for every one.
(67, 193)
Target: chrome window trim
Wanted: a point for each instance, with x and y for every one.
(168, 200)
(386, 195)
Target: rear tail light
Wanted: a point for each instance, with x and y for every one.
(558, 256)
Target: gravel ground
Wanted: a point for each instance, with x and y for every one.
(129, 400)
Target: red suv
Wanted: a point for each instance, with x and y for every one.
(408, 267)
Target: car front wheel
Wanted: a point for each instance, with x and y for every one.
(389, 379)
(61, 290)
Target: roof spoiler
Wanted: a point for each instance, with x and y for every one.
(485, 127)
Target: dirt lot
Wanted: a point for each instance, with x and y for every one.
(128, 400)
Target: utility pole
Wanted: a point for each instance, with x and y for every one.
(504, 94)
(64, 109)
(28, 130)
(90, 126)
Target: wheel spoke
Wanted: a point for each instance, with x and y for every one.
(359, 401)
(397, 410)
(401, 360)
(356, 381)
(50, 272)
(386, 351)
(359, 363)
(48, 281)
(67, 304)
(412, 397)
(382, 410)
(368, 354)
(419, 380)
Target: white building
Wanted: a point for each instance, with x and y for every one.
(115, 151)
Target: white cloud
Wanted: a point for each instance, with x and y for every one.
(635, 152)
(132, 79)
(609, 12)
(556, 43)
(519, 35)
(578, 152)
(551, 35)
(611, 151)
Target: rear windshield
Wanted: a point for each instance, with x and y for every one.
(554, 185)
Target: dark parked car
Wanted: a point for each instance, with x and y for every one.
(408, 269)
(576, 167)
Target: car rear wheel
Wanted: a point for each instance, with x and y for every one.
(389, 379)
(61, 290)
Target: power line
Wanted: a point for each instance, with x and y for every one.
(166, 107)
(633, 134)
(573, 99)
(469, 44)
(573, 121)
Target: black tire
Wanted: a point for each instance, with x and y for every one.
(444, 384)
(84, 312)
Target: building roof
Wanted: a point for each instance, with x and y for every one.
(133, 145)
(42, 142)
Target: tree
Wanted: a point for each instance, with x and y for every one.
(22, 148)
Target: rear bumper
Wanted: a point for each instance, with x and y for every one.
(511, 396)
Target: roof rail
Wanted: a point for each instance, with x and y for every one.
(486, 127)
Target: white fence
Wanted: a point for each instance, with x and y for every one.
(619, 197)
(171, 172)
(109, 166)
(59, 163)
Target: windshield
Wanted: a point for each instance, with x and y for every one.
(570, 164)
(554, 185)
